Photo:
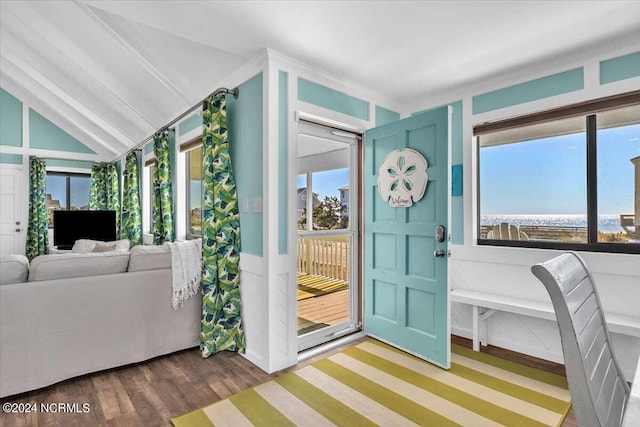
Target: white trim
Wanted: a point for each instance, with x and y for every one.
(325, 78)
(25, 126)
(527, 73)
(345, 121)
(599, 262)
(69, 170)
(514, 346)
(323, 121)
(50, 154)
(448, 232)
(13, 166)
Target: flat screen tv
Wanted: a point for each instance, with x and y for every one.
(69, 226)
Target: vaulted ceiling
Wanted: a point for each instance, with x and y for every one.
(110, 73)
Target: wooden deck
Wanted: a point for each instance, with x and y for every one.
(322, 301)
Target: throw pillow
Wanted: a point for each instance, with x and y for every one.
(83, 246)
(104, 248)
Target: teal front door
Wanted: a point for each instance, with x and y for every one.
(405, 263)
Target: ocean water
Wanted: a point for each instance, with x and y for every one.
(606, 223)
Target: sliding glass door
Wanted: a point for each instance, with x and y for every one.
(326, 211)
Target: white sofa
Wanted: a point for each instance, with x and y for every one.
(81, 313)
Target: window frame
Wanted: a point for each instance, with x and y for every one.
(68, 176)
(589, 111)
(186, 148)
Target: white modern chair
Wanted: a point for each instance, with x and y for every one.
(598, 389)
(507, 231)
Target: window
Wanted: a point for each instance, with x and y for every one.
(147, 208)
(566, 179)
(67, 191)
(194, 192)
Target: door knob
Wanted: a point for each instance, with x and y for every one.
(18, 230)
(17, 222)
(438, 253)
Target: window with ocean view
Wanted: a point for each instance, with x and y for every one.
(562, 181)
(618, 139)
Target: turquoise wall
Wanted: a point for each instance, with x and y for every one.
(80, 164)
(12, 159)
(384, 116)
(555, 84)
(620, 68)
(10, 120)
(45, 135)
(331, 99)
(283, 108)
(190, 124)
(244, 117)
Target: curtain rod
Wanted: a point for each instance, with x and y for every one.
(218, 92)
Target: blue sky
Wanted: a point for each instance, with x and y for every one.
(326, 183)
(549, 176)
(56, 186)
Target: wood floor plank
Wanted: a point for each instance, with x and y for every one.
(153, 392)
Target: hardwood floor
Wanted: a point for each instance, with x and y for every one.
(153, 392)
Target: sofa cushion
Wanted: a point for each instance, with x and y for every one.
(85, 246)
(13, 269)
(149, 257)
(65, 266)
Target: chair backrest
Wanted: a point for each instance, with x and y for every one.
(598, 389)
(507, 231)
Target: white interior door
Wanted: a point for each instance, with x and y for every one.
(13, 227)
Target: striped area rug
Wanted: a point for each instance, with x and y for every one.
(375, 384)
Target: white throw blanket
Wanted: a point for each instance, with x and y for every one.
(186, 268)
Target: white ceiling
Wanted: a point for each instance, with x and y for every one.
(111, 73)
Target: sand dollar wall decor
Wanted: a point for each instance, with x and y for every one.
(402, 178)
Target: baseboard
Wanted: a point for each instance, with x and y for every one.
(509, 345)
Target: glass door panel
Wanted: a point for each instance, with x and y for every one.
(327, 295)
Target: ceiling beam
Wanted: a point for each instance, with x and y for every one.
(135, 50)
(27, 77)
(37, 32)
(123, 140)
(54, 110)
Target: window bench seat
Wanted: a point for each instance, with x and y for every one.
(486, 304)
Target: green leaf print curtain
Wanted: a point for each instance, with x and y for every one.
(104, 193)
(38, 228)
(131, 219)
(162, 194)
(221, 319)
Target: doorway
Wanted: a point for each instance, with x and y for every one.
(328, 250)
(12, 226)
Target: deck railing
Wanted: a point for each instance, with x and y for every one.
(324, 256)
(559, 234)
